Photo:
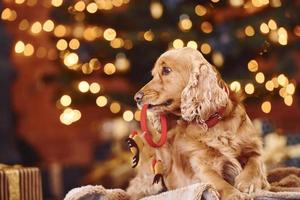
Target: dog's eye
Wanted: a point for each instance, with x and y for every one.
(166, 71)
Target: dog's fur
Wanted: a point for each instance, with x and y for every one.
(227, 155)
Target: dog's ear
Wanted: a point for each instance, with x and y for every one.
(205, 91)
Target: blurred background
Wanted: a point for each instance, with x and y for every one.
(69, 70)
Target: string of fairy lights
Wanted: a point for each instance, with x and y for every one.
(69, 39)
(65, 51)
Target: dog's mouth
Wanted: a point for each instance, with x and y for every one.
(166, 103)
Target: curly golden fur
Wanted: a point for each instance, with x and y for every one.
(227, 155)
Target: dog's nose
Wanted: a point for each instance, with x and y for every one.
(138, 96)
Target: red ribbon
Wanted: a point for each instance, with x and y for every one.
(148, 136)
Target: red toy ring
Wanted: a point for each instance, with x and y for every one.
(144, 128)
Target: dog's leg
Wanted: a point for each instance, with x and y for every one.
(252, 177)
(142, 186)
(208, 175)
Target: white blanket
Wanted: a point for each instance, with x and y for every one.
(193, 192)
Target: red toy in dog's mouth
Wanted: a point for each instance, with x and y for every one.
(148, 136)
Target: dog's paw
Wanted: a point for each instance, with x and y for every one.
(249, 184)
(211, 194)
(235, 195)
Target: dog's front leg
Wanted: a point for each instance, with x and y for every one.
(207, 174)
(142, 185)
(253, 176)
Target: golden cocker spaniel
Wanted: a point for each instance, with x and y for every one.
(210, 137)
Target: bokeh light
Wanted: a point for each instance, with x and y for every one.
(156, 10)
(95, 88)
(260, 77)
(115, 107)
(205, 48)
(128, 115)
(109, 69)
(109, 34)
(83, 86)
(266, 106)
(235, 86)
(71, 59)
(19, 47)
(101, 101)
(65, 100)
(249, 88)
(178, 43)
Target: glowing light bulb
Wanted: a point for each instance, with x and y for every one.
(178, 43)
(92, 7)
(56, 3)
(137, 115)
(128, 115)
(206, 27)
(235, 86)
(266, 106)
(83, 86)
(69, 116)
(79, 6)
(282, 80)
(217, 59)
(117, 43)
(185, 23)
(19, 47)
(95, 88)
(65, 100)
(36, 27)
(282, 36)
(101, 101)
(236, 3)
(282, 92)
(288, 100)
(71, 59)
(264, 28)
(60, 30)
(200, 10)
(269, 86)
(275, 82)
(272, 24)
(249, 31)
(205, 48)
(290, 88)
(48, 26)
(109, 69)
(109, 34)
(19, 1)
(74, 44)
(252, 66)
(260, 77)
(61, 44)
(115, 107)
(86, 68)
(29, 50)
(149, 36)
(117, 3)
(249, 88)
(8, 14)
(192, 44)
(156, 10)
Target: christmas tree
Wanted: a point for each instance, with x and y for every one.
(251, 42)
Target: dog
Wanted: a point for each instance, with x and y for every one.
(210, 137)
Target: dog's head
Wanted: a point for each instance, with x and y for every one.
(184, 83)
